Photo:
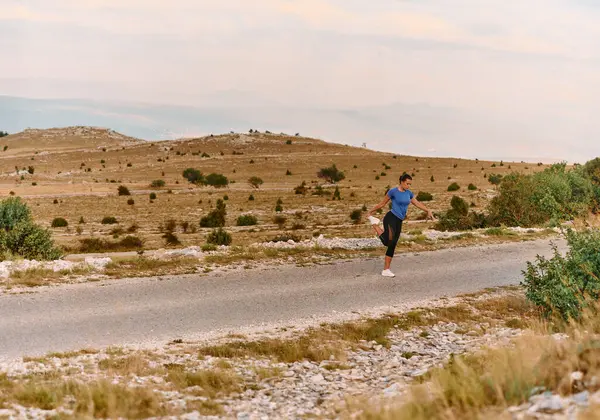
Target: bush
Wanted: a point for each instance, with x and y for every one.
(301, 189)
(331, 174)
(453, 187)
(93, 245)
(219, 237)
(31, 170)
(152, 196)
(109, 220)
(251, 197)
(564, 286)
(215, 218)
(495, 179)
(123, 190)
(59, 222)
(12, 212)
(169, 226)
(550, 196)
(424, 196)
(472, 187)
(131, 201)
(286, 237)
(216, 180)
(279, 221)
(247, 220)
(336, 194)
(194, 176)
(171, 239)
(356, 215)
(459, 217)
(255, 181)
(29, 241)
(157, 183)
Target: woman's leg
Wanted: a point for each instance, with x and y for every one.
(395, 230)
(386, 234)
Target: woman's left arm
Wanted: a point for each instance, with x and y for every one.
(423, 207)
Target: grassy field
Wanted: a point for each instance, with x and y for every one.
(76, 173)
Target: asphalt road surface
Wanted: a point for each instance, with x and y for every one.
(158, 310)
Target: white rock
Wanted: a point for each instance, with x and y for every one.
(98, 263)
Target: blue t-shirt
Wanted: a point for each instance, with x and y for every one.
(400, 201)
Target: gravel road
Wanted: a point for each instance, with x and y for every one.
(157, 310)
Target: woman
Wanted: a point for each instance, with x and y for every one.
(401, 197)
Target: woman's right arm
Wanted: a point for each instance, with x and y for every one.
(380, 205)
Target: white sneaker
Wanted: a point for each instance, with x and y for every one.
(374, 220)
(387, 273)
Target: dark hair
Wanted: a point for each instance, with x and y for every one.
(404, 177)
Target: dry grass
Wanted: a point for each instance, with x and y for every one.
(485, 384)
(100, 399)
(144, 267)
(35, 277)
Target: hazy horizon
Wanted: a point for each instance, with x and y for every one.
(506, 80)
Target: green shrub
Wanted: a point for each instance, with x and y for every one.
(472, 187)
(459, 217)
(152, 196)
(251, 197)
(255, 181)
(216, 218)
(219, 237)
(123, 190)
(288, 172)
(131, 201)
(208, 247)
(29, 241)
(453, 187)
(109, 220)
(356, 215)
(246, 220)
(495, 179)
(59, 222)
(12, 212)
(564, 285)
(432, 179)
(194, 176)
(550, 196)
(216, 180)
(424, 196)
(332, 174)
(157, 183)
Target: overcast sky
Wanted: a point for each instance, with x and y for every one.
(527, 63)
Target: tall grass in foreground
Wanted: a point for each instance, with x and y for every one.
(486, 383)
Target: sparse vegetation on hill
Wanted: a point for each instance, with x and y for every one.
(216, 218)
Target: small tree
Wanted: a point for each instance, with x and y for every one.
(356, 215)
(453, 187)
(158, 183)
(336, 194)
(215, 218)
(255, 181)
(59, 222)
(123, 190)
(216, 180)
(219, 237)
(3, 134)
(331, 174)
(194, 176)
